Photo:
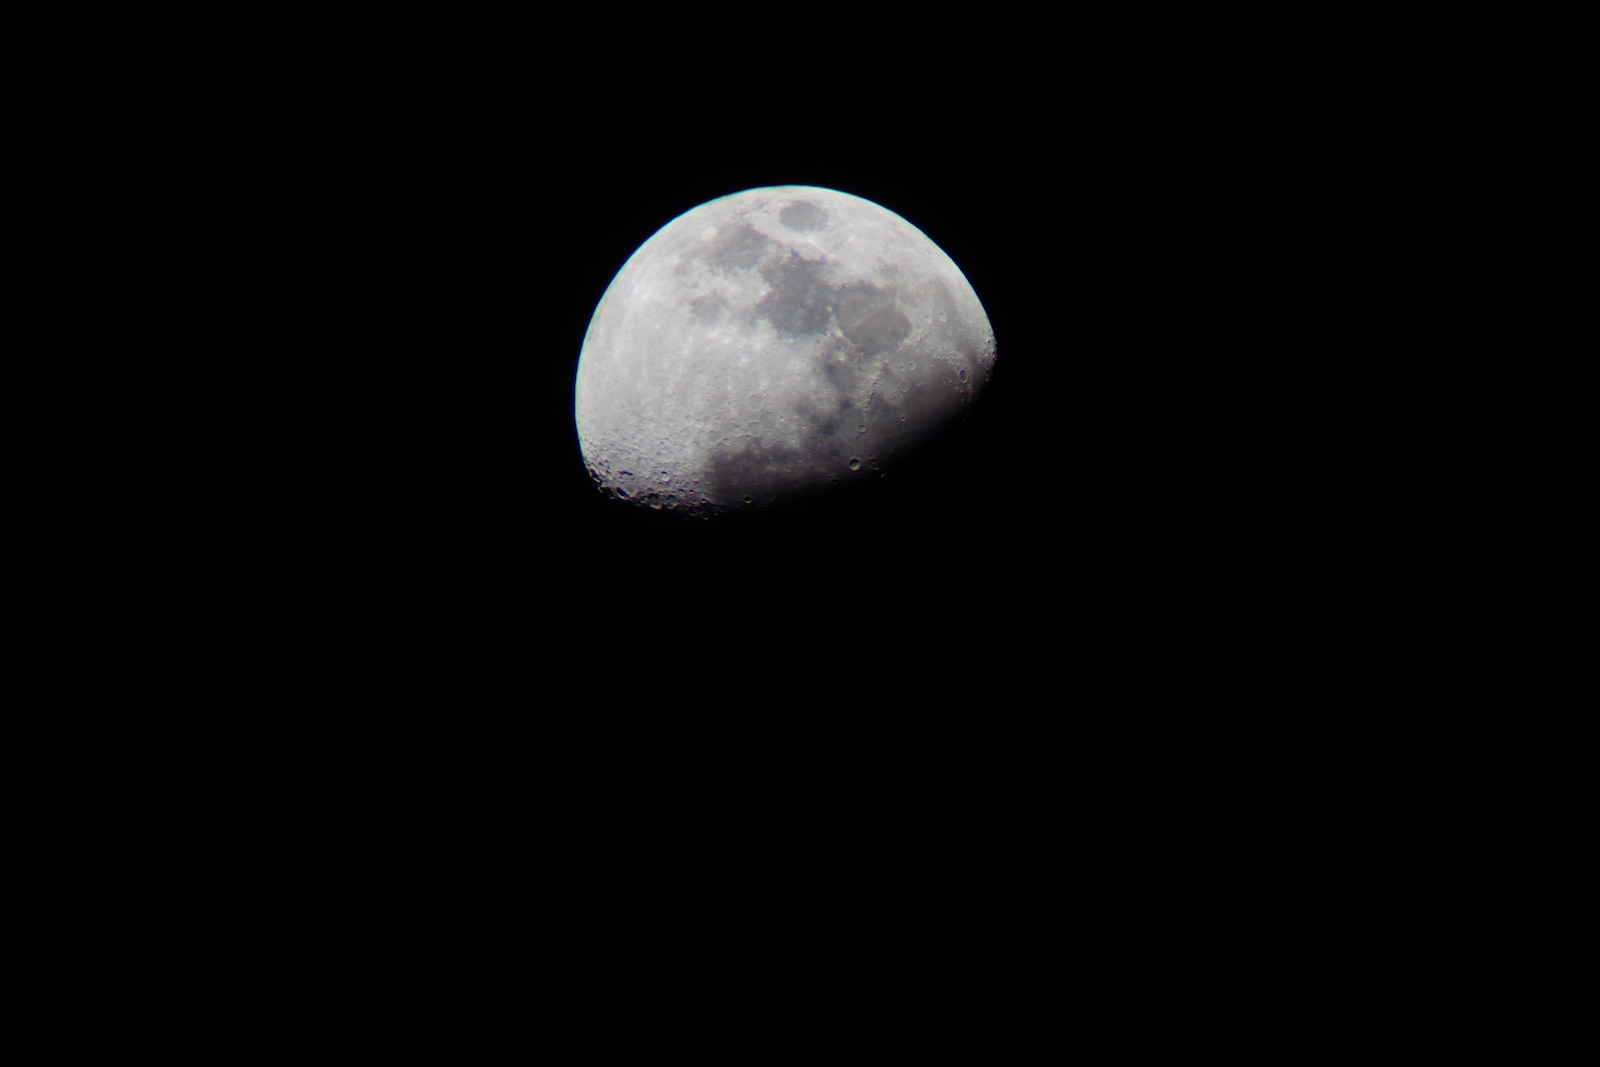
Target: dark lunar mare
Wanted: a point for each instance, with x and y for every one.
(871, 333)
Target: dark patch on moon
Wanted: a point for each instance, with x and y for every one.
(815, 421)
(708, 306)
(800, 301)
(804, 216)
(870, 318)
(932, 395)
(847, 376)
(758, 470)
(739, 248)
(931, 291)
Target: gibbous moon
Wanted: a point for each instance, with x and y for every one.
(769, 342)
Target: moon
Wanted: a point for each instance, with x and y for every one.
(772, 342)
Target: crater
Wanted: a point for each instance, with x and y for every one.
(804, 216)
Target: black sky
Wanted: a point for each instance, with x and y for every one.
(1077, 737)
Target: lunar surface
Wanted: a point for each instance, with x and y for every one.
(771, 342)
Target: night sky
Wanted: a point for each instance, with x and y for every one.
(1089, 735)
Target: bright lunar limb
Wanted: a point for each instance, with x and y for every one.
(771, 341)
